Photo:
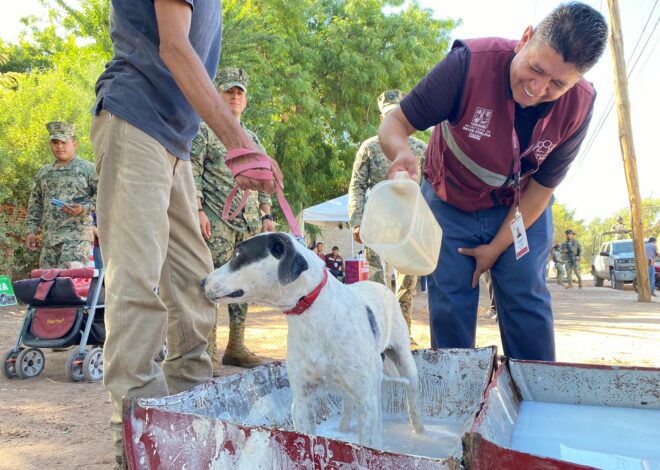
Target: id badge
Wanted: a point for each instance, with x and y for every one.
(519, 236)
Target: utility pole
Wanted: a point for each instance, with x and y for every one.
(628, 151)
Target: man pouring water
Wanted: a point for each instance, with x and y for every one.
(509, 119)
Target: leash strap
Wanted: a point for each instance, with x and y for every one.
(260, 169)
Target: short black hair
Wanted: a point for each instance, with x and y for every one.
(335, 248)
(575, 30)
(651, 240)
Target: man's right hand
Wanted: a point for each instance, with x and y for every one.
(405, 161)
(269, 187)
(204, 225)
(31, 242)
(356, 235)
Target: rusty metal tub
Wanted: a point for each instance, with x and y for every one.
(244, 421)
(587, 416)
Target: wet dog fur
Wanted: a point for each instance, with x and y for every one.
(339, 343)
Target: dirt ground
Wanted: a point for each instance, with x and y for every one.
(51, 423)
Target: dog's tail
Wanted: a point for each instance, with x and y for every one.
(390, 372)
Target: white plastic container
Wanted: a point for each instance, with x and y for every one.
(399, 226)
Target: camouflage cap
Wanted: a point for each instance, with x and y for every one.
(389, 100)
(60, 130)
(569, 232)
(229, 77)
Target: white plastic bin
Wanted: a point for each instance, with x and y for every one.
(399, 226)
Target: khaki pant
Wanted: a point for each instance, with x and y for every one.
(155, 257)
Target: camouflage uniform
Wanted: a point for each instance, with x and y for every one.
(66, 238)
(370, 167)
(214, 181)
(572, 251)
(618, 227)
(558, 260)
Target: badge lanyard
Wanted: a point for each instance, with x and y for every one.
(517, 224)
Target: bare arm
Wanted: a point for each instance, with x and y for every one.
(532, 204)
(393, 136)
(174, 18)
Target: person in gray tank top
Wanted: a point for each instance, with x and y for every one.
(149, 100)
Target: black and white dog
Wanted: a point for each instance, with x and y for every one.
(338, 334)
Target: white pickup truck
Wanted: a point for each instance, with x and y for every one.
(615, 261)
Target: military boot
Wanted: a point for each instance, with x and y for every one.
(580, 284)
(236, 353)
(569, 286)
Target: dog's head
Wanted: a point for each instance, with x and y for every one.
(270, 269)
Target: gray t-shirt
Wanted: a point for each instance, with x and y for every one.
(138, 87)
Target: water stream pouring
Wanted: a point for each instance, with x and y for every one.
(399, 226)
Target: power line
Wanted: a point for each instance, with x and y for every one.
(610, 103)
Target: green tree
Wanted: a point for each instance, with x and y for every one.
(316, 69)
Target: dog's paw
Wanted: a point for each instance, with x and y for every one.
(418, 428)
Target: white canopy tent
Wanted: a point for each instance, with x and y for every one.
(329, 214)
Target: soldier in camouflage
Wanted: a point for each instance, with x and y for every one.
(619, 228)
(214, 181)
(572, 252)
(558, 260)
(370, 167)
(66, 228)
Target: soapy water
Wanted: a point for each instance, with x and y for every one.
(441, 437)
(599, 436)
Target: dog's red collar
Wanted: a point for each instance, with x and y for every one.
(305, 302)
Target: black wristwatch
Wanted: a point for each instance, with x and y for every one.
(266, 217)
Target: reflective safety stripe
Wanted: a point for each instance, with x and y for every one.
(489, 177)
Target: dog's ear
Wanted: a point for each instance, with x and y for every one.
(292, 263)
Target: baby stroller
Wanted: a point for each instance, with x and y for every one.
(65, 308)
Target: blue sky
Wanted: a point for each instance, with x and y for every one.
(595, 185)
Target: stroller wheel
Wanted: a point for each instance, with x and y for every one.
(9, 363)
(74, 365)
(93, 365)
(30, 363)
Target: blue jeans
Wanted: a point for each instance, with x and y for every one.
(523, 300)
(652, 277)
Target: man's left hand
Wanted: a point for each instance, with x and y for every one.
(74, 209)
(267, 226)
(485, 256)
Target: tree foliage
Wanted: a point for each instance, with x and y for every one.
(589, 234)
(316, 69)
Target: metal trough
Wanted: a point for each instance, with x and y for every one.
(244, 421)
(593, 417)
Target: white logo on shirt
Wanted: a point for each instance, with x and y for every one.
(542, 149)
(478, 127)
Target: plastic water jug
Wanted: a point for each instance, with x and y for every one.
(399, 226)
